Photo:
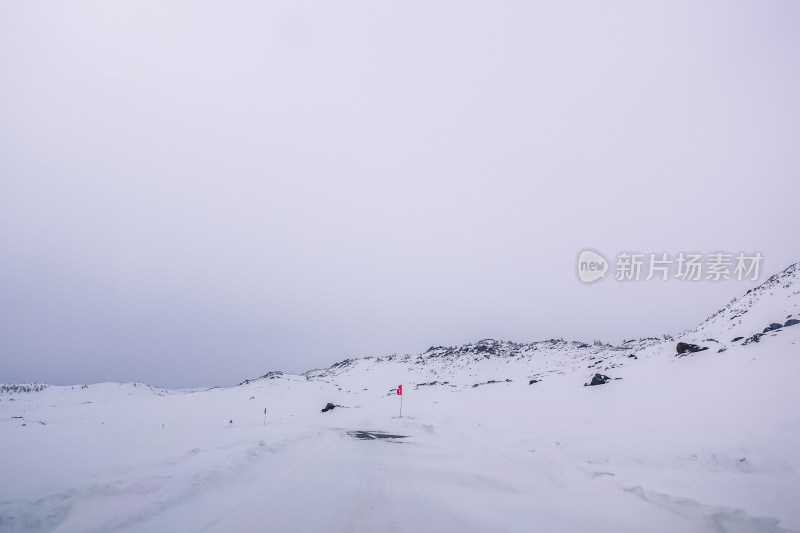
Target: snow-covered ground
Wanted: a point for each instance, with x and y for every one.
(709, 441)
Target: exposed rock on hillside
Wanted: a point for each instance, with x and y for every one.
(684, 347)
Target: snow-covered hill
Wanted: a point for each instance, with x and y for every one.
(774, 303)
(494, 436)
(764, 310)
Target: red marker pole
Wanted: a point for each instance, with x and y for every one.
(265, 416)
(400, 393)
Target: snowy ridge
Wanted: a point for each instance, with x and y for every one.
(776, 301)
(490, 360)
(10, 388)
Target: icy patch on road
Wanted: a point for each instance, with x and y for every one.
(375, 435)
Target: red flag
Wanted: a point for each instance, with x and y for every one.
(399, 390)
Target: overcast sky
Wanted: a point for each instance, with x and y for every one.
(196, 193)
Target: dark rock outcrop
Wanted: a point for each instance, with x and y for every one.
(328, 407)
(490, 382)
(772, 327)
(754, 338)
(531, 382)
(791, 322)
(737, 339)
(598, 379)
(430, 383)
(685, 347)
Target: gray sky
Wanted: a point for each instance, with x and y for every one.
(195, 193)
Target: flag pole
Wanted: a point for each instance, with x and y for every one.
(265, 416)
(399, 391)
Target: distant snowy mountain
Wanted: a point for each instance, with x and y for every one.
(489, 360)
(775, 302)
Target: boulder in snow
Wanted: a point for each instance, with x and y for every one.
(685, 347)
(598, 379)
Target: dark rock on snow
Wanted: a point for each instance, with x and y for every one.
(791, 322)
(754, 338)
(431, 383)
(328, 407)
(492, 381)
(685, 347)
(598, 379)
(772, 327)
(737, 339)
